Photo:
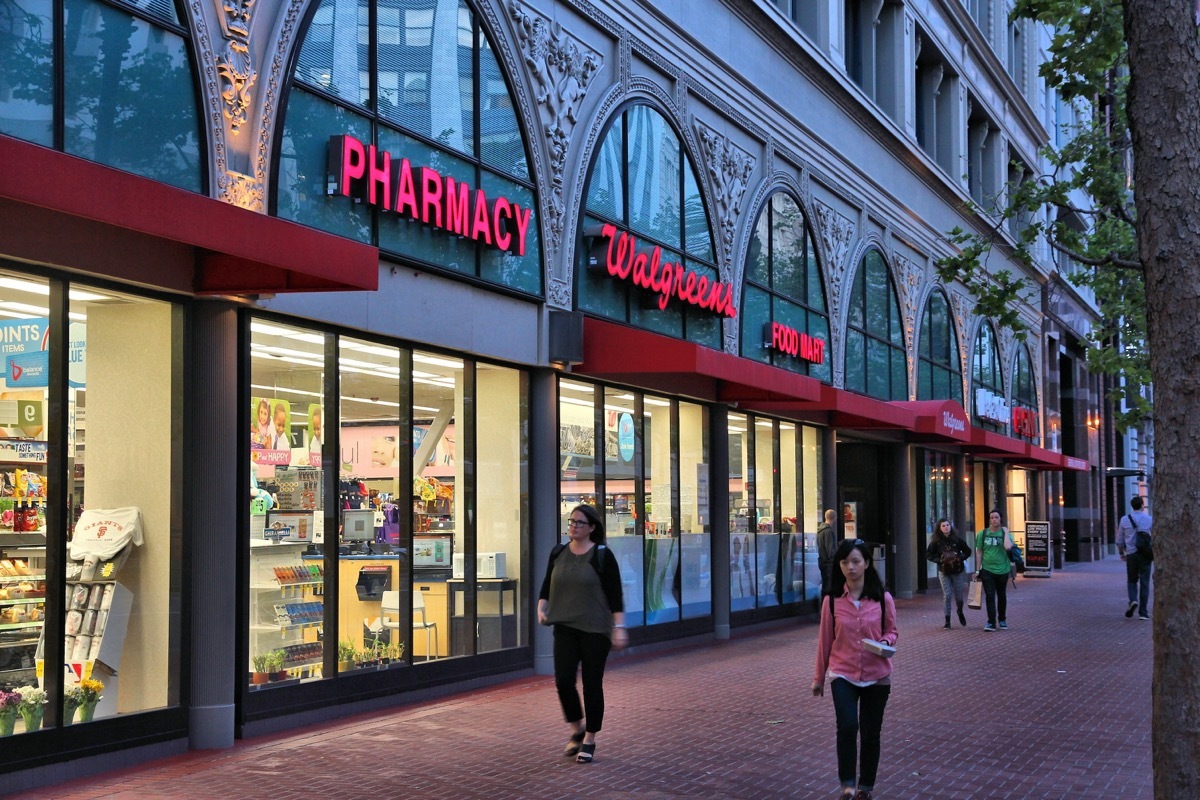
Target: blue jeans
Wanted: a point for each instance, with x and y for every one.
(858, 709)
(995, 589)
(1137, 571)
(572, 648)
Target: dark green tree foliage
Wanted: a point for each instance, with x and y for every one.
(1083, 207)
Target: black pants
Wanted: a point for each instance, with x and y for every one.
(995, 589)
(859, 709)
(573, 647)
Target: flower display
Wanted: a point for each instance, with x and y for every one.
(9, 701)
(32, 698)
(86, 691)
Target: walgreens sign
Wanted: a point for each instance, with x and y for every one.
(369, 175)
(666, 278)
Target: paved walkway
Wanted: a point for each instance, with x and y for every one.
(1058, 706)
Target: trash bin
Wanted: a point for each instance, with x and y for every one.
(879, 558)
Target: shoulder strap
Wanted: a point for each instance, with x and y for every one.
(598, 560)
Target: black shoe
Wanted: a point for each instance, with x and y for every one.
(947, 625)
(962, 618)
(1132, 608)
(574, 744)
(586, 752)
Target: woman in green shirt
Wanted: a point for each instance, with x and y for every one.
(991, 557)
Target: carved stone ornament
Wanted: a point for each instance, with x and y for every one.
(241, 190)
(562, 69)
(963, 309)
(729, 168)
(235, 66)
(835, 231)
(909, 287)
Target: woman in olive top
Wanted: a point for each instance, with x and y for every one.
(991, 558)
(581, 597)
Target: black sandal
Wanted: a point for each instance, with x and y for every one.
(573, 746)
(585, 753)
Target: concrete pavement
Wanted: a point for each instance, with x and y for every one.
(1058, 706)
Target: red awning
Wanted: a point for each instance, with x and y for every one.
(69, 212)
(939, 420)
(989, 443)
(628, 355)
(1041, 458)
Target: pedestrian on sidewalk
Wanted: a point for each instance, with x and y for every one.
(991, 562)
(1137, 559)
(581, 597)
(856, 608)
(949, 552)
(826, 544)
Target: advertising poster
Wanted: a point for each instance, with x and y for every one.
(270, 431)
(1037, 546)
(850, 519)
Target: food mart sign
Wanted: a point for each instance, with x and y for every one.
(786, 339)
(369, 175)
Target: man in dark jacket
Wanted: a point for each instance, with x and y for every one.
(826, 544)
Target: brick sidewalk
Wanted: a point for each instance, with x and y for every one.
(1058, 706)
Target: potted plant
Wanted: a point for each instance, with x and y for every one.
(82, 697)
(275, 670)
(10, 702)
(345, 656)
(31, 708)
(262, 668)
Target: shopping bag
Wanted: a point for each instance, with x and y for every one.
(975, 596)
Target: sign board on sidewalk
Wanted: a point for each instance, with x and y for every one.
(1037, 549)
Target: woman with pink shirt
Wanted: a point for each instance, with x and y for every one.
(856, 608)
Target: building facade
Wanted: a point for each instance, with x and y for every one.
(457, 266)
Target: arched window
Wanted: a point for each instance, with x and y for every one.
(128, 93)
(939, 374)
(875, 360)
(987, 382)
(784, 321)
(643, 184)
(423, 85)
(1024, 398)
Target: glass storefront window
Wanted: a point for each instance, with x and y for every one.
(743, 513)
(813, 507)
(695, 523)
(288, 429)
(791, 561)
(121, 569)
(987, 380)
(767, 537)
(662, 493)
(1025, 420)
(629, 480)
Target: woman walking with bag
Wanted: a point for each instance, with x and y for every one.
(992, 545)
(581, 597)
(949, 552)
(857, 608)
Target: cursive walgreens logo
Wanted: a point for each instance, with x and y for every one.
(953, 423)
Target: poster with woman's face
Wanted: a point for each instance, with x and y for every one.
(316, 426)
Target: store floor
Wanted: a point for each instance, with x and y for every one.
(1057, 706)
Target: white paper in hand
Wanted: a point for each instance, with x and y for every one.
(879, 648)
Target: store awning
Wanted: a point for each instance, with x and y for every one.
(70, 212)
(939, 421)
(663, 363)
(1041, 458)
(990, 443)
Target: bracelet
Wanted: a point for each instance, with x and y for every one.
(615, 626)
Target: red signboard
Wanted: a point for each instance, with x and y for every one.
(668, 279)
(1024, 422)
(372, 176)
(785, 339)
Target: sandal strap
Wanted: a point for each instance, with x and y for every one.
(585, 753)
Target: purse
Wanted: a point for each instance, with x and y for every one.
(975, 595)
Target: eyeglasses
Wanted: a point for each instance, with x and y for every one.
(857, 542)
(578, 523)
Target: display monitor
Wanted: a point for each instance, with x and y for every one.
(358, 525)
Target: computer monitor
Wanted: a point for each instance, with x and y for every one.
(358, 525)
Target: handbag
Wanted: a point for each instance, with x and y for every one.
(975, 595)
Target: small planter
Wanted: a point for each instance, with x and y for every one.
(277, 676)
(259, 678)
(345, 666)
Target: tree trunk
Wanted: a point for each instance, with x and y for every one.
(1164, 114)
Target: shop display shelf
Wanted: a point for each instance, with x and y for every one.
(20, 601)
(19, 578)
(16, 626)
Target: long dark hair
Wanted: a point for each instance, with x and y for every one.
(938, 528)
(593, 516)
(872, 585)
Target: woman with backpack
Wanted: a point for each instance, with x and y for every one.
(581, 597)
(856, 609)
(994, 567)
(950, 552)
